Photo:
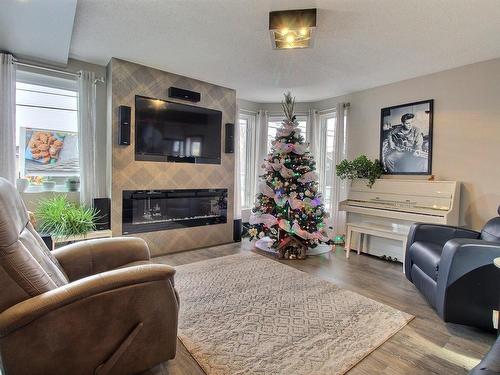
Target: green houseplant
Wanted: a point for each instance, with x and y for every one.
(59, 217)
(361, 167)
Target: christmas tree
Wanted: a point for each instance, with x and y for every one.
(288, 207)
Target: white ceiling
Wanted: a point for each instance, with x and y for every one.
(359, 43)
(38, 30)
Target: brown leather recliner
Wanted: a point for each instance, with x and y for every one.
(94, 307)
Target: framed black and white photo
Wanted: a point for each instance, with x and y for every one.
(406, 138)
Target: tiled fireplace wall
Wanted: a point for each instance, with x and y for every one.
(125, 80)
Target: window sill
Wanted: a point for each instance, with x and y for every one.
(56, 189)
(32, 198)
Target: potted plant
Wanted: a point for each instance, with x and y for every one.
(22, 183)
(361, 167)
(59, 217)
(48, 184)
(73, 183)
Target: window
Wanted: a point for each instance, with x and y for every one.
(247, 158)
(46, 127)
(327, 123)
(274, 124)
(248, 150)
(329, 156)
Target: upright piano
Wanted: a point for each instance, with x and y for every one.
(379, 218)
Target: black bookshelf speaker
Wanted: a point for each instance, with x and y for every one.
(229, 144)
(124, 114)
(103, 206)
(237, 230)
(177, 93)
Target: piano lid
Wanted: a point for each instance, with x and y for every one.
(404, 195)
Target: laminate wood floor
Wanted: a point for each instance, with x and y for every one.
(425, 346)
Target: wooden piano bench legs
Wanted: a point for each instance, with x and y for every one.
(373, 230)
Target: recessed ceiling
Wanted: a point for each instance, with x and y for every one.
(358, 44)
(38, 30)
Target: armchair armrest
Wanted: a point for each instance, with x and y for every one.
(435, 233)
(35, 307)
(124, 319)
(438, 233)
(468, 282)
(90, 257)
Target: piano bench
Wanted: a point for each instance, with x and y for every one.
(373, 230)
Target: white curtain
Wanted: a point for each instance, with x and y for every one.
(7, 117)
(90, 185)
(261, 144)
(314, 137)
(340, 186)
(237, 172)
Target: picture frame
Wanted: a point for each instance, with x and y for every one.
(406, 138)
(46, 152)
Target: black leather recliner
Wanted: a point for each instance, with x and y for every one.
(453, 268)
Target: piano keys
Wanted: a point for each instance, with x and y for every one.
(386, 211)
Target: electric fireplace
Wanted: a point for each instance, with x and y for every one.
(154, 210)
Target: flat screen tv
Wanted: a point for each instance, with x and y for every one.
(173, 132)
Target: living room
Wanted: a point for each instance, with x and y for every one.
(259, 187)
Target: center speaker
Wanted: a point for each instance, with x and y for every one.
(177, 93)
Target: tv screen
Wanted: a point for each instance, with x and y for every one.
(173, 132)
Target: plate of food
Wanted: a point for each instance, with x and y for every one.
(44, 146)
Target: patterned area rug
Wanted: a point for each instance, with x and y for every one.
(246, 314)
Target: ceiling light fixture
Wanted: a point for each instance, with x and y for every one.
(291, 29)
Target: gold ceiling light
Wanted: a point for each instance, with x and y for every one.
(292, 28)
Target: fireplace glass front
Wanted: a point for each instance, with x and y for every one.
(153, 210)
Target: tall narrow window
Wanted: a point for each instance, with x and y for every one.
(46, 128)
(275, 123)
(247, 158)
(328, 123)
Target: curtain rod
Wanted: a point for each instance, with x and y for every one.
(54, 70)
(346, 105)
(247, 111)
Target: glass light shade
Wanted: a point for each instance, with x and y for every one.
(291, 29)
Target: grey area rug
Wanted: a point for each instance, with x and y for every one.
(246, 314)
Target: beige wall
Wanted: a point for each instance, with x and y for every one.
(466, 129)
(125, 81)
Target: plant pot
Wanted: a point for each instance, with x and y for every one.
(73, 185)
(48, 185)
(22, 184)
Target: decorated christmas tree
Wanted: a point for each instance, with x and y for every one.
(288, 210)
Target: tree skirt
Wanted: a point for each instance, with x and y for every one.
(265, 244)
(247, 314)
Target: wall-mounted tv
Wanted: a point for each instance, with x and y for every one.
(173, 132)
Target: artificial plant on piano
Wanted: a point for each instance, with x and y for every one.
(288, 208)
